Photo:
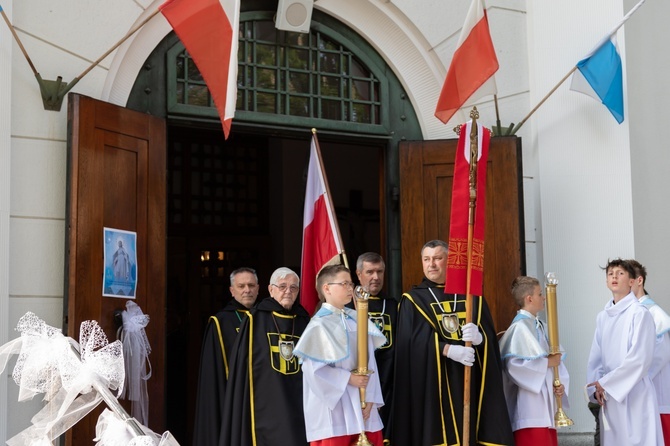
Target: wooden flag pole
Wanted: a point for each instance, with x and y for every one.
(53, 92)
(474, 152)
(343, 254)
(518, 126)
(18, 41)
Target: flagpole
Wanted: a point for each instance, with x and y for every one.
(18, 41)
(117, 44)
(495, 101)
(474, 152)
(606, 38)
(543, 99)
(343, 255)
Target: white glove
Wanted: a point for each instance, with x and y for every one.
(471, 333)
(464, 355)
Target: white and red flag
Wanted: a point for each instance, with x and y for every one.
(321, 241)
(209, 31)
(457, 257)
(470, 76)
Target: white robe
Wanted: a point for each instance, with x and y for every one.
(659, 372)
(620, 358)
(332, 407)
(528, 383)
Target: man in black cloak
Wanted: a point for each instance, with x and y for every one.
(263, 404)
(430, 361)
(382, 311)
(217, 343)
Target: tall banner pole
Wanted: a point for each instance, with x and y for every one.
(329, 196)
(474, 152)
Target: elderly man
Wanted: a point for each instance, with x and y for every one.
(263, 404)
(430, 362)
(217, 343)
(382, 311)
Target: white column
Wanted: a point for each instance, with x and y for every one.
(6, 45)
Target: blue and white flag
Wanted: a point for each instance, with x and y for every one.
(600, 76)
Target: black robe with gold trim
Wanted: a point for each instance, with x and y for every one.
(217, 343)
(263, 404)
(428, 390)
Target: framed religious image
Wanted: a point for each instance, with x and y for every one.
(120, 274)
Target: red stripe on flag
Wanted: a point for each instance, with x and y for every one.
(321, 238)
(207, 32)
(474, 62)
(457, 259)
(318, 249)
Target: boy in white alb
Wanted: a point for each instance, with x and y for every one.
(329, 352)
(528, 369)
(618, 367)
(659, 372)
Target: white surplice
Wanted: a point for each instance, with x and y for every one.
(528, 381)
(621, 355)
(660, 366)
(332, 407)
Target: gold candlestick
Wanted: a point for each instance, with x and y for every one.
(560, 418)
(362, 295)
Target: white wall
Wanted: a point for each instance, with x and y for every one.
(5, 158)
(647, 68)
(584, 171)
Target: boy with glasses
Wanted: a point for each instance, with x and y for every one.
(328, 350)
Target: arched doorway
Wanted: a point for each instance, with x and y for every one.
(239, 202)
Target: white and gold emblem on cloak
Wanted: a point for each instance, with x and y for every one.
(450, 322)
(286, 350)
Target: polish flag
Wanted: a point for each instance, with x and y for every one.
(208, 29)
(321, 242)
(470, 76)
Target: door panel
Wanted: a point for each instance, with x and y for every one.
(426, 178)
(116, 179)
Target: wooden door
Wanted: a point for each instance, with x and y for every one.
(426, 179)
(116, 179)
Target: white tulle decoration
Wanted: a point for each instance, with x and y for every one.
(136, 350)
(112, 431)
(49, 364)
(74, 378)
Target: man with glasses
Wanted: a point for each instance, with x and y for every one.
(217, 343)
(263, 403)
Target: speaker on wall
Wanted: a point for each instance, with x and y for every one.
(294, 15)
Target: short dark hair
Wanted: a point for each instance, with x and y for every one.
(435, 244)
(241, 270)
(523, 286)
(327, 274)
(640, 270)
(623, 264)
(370, 257)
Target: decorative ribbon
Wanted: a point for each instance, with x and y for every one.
(48, 364)
(112, 431)
(136, 351)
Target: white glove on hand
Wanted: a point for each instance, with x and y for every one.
(471, 333)
(464, 355)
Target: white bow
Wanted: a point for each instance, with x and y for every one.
(48, 364)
